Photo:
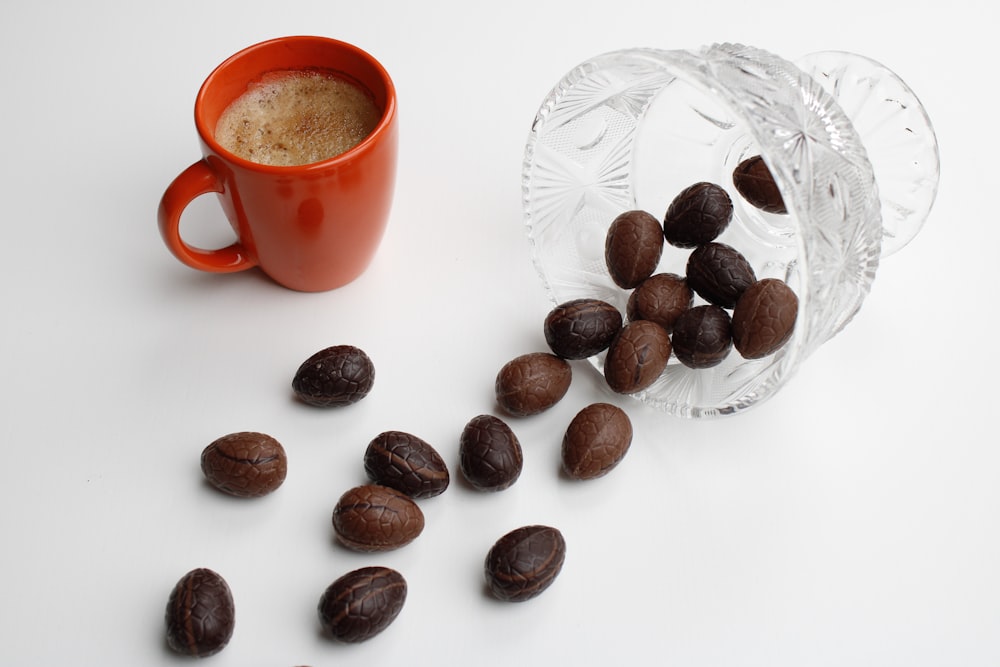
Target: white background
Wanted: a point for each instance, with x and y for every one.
(854, 519)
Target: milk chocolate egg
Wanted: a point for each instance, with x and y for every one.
(532, 383)
(754, 181)
(637, 357)
(661, 298)
(596, 441)
(372, 517)
(764, 318)
(633, 247)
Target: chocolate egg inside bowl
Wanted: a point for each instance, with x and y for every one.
(630, 130)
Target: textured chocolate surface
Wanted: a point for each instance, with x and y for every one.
(532, 383)
(661, 298)
(764, 318)
(754, 181)
(406, 463)
(596, 441)
(373, 517)
(702, 337)
(361, 604)
(581, 328)
(719, 273)
(335, 376)
(633, 247)
(697, 215)
(245, 464)
(490, 454)
(200, 614)
(524, 562)
(637, 356)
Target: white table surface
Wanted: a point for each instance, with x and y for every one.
(854, 519)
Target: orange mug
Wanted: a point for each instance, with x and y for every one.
(312, 227)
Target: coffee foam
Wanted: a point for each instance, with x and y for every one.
(297, 117)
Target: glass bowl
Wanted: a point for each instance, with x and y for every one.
(631, 129)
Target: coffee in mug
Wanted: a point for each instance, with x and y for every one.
(297, 117)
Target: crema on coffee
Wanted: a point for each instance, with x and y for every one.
(297, 117)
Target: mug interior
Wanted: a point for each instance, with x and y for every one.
(233, 77)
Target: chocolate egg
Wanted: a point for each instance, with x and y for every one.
(633, 247)
(661, 298)
(362, 603)
(200, 614)
(637, 357)
(532, 383)
(524, 562)
(764, 318)
(697, 215)
(596, 441)
(490, 455)
(581, 328)
(754, 181)
(335, 376)
(719, 273)
(702, 337)
(406, 463)
(245, 464)
(373, 518)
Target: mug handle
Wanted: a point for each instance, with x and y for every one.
(197, 180)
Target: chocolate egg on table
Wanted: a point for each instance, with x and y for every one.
(754, 181)
(764, 318)
(719, 273)
(532, 383)
(632, 247)
(636, 357)
(702, 337)
(661, 298)
(697, 215)
(581, 328)
(245, 464)
(200, 614)
(362, 603)
(406, 463)
(524, 562)
(596, 441)
(372, 517)
(335, 376)
(490, 454)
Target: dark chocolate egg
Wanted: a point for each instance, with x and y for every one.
(697, 215)
(581, 328)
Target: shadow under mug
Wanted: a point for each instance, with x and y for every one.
(313, 227)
